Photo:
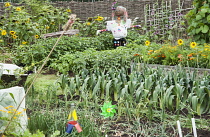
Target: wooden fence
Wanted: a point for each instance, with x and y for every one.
(103, 8)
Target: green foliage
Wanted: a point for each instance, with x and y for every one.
(143, 93)
(164, 89)
(26, 23)
(34, 54)
(37, 134)
(163, 22)
(92, 59)
(51, 121)
(199, 21)
(167, 54)
(90, 26)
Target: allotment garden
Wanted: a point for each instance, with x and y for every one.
(158, 85)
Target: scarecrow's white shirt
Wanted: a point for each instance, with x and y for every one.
(118, 30)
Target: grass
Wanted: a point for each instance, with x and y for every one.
(42, 82)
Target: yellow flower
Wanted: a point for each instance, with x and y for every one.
(24, 42)
(99, 18)
(36, 36)
(3, 32)
(28, 20)
(18, 9)
(147, 43)
(15, 117)
(6, 107)
(21, 46)
(9, 111)
(88, 23)
(18, 113)
(191, 58)
(193, 44)
(206, 49)
(180, 42)
(7, 4)
(12, 32)
(14, 36)
(68, 10)
(47, 27)
(205, 56)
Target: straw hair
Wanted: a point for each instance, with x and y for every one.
(123, 13)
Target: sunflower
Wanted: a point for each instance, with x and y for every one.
(3, 32)
(147, 43)
(90, 19)
(68, 10)
(24, 42)
(14, 36)
(18, 9)
(180, 42)
(12, 32)
(36, 36)
(99, 18)
(193, 44)
(7, 4)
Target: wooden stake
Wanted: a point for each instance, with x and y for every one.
(179, 128)
(194, 127)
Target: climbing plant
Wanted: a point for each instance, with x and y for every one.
(199, 21)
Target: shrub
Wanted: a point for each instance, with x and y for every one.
(198, 20)
(92, 59)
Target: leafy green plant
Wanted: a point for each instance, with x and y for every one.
(90, 26)
(198, 20)
(25, 24)
(92, 59)
(163, 23)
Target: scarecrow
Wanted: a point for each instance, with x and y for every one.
(118, 25)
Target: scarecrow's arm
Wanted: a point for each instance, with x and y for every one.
(99, 31)
(136, 26)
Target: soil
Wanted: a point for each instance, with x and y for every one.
(186, 132)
